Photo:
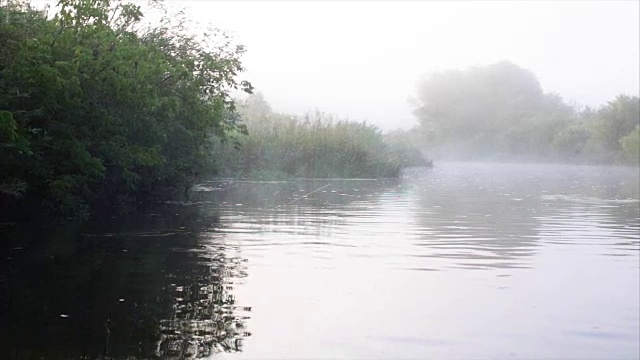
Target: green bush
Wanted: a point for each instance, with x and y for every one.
(97, 107)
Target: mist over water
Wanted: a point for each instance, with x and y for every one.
(460, 261)
(170, 190)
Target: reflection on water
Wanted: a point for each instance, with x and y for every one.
(463, 261)
(135, 288)
(476, 224)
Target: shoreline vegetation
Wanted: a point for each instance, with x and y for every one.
(99, 109)
(280, 146)
(499, 112)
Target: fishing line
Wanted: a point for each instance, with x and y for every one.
(318, 189)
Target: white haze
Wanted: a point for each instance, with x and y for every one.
(362, 59)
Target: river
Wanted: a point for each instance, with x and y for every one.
(465, 260)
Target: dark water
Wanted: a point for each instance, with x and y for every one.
(463, 261)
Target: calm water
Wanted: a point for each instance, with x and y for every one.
(462, 261)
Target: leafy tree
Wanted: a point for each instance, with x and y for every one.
(500, 111)
(570, 141)
(631, 146)
(97, 108)
(613, 122)
(462, 104)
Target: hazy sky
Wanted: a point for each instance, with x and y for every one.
(362, 59)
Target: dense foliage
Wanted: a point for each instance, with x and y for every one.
(500, 111)
(316, 145)
(95, 107)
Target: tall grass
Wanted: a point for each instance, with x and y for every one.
(315, 145)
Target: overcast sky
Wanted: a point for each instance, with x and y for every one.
(362, 59)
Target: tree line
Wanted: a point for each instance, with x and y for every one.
(99, 108)
(500, 111)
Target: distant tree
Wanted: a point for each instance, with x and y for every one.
(569, 142)
(255, 106)
(614, 121)
(501, 110)
(463, 104)
(405, 147)
(631, 146)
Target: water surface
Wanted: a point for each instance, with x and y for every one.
(461, 261)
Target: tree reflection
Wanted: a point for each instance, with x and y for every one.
(205, 318)
(140, 287)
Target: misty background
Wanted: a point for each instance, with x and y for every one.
(363, 59)
(168, 190)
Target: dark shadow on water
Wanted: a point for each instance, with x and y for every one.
(138, 287)
(154, 283)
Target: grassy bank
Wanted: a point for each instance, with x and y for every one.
(316, 145)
